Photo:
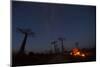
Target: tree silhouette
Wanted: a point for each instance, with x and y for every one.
(62, 40)
(26, 33)
(55, 46)
(77, 44)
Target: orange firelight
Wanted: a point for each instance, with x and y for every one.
(83, 55)
(77, 52)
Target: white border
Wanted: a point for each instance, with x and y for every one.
(82, 2)
(5, 32)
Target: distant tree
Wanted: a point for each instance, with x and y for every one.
(77, 44)
(26, 33)
(55, 45)
(62, 45)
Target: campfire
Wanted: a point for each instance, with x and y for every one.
(77, 52)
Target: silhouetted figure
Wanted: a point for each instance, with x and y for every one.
(55, 45)
(26, 33)
(62, 46)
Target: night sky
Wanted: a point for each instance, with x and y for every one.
(75, 23)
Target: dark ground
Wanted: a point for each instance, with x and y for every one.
(40, 59)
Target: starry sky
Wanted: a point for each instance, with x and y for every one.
(75, 23)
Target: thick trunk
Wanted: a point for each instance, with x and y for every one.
(55, 47)
(23, 44)
(62, 46)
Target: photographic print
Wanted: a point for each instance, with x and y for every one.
(52, 33)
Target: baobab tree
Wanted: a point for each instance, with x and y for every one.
(62, 40)
(55, 45)
(26, 33)
(77, 44)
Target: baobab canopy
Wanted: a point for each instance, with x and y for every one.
(25, 31)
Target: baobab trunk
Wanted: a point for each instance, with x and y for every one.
(62, 47)
(22, 49)
(55, 47)
(77, 45)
